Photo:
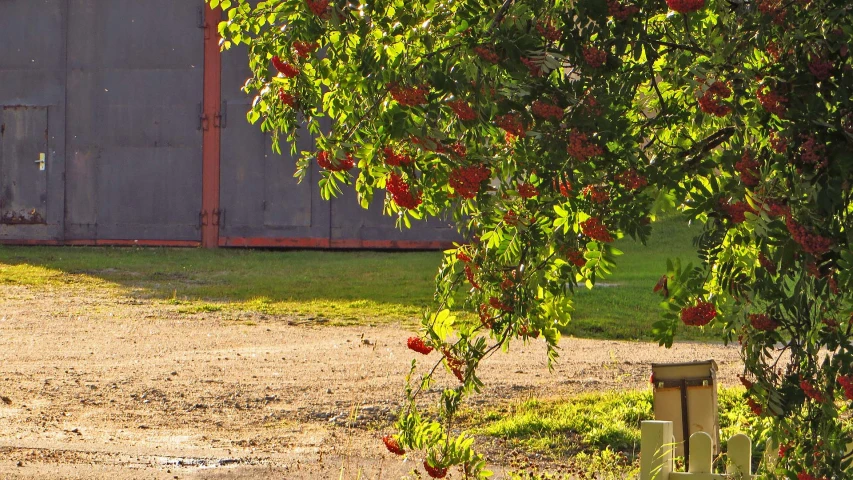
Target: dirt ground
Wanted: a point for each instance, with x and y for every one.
(111, 387)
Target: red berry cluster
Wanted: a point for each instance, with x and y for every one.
(304, 49)
(755, 407)
(565, 187)
(511, 218)
(471, 275)
(576, 257)
(813, 270)
(774, 51)
(833, 285)
(408, 96)
(619, 10)
(811, 153)
(459, 149)
(487, 53)
(463, 257)
(401, 192)
(811, 391)
(434, 472)
(485, 316)
(811, 242)
(685, 6)
(431, 144)
(820, 68)
(762, 321)
(735, 211)
(512, 124)
(396, 159)
(698, 315)
(778, 143)
(417, 344)
(767, 264)
(596, 194)
(463, 110)
(285, 68)
(773, 8)
(580, 148)
(846, 382)
(709, 102)
(454, 364)
(594, 57)
(775, 209)
(548, 31)
(631, 180)
(497, 304)
(783, 449)
(748, 167)
(319, 7)
(594, 229)
(806, 476)
(772, 101)
(286, 98)
(533, 66)
(546, 110)
(393, 445)
(591, 105)
(335, 164)
(745, 382)
(466, 180)
(527, 190)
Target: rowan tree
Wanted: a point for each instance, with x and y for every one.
(549, 129)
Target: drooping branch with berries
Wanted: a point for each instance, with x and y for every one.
(547, 130)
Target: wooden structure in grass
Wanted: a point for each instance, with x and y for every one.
(657, 460)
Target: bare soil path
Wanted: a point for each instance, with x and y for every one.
(109, 387)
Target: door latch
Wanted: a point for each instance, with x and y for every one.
(41, 161)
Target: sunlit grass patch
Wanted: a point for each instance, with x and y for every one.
(600, 429)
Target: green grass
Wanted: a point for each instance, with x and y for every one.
(599, 429)
(622, 306)
(340, 287)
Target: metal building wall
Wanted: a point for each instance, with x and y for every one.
(140, 123)
(32, 119)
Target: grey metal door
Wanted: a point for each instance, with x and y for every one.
(355, 227)
(32, 111)
(23, 165)
(135, 83)
(262, 204)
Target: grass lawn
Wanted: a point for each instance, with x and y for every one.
(342, 287)
(600, 432)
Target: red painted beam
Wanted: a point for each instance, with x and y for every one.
(267, 242)
(106, 243)
(392, 244)
(29, 242)
(263, 242)
(211, 132)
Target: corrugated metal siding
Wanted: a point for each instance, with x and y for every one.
(120, 85)
(32, 99)
(135, 76)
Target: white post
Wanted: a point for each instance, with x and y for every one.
(701, 457)
(740, 456)
(656, 444)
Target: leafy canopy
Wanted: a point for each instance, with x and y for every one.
(547, 129)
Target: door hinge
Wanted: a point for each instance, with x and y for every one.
(218, 217)
(203, 120)
(202, 23)
(202, 218)
(221, 118)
